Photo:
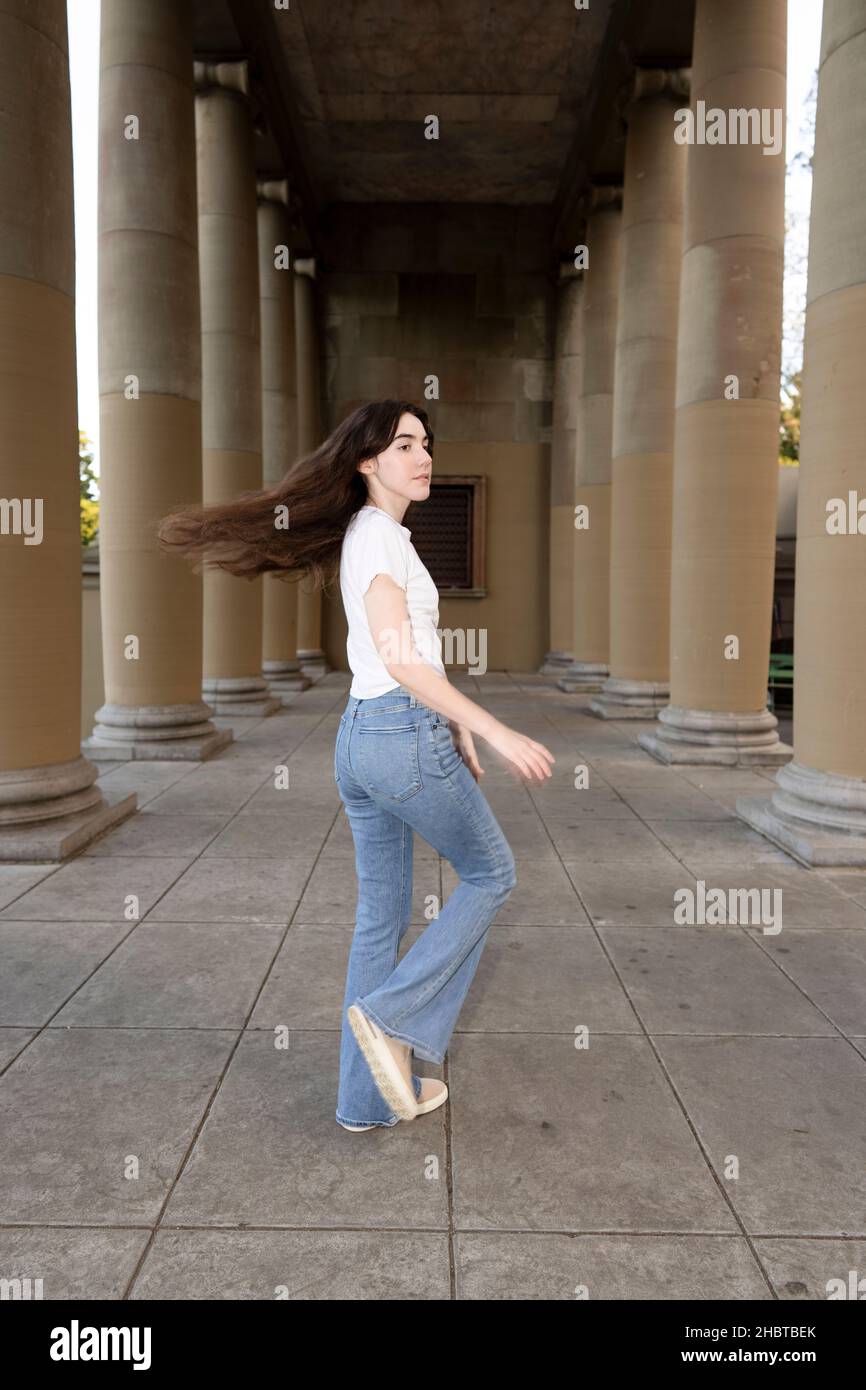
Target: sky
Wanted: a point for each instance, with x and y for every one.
(804, 34)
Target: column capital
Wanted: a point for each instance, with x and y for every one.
(282, 194)
(274, 191)
(646, 83)
(599, 197)
(232, 76)
(657, 82)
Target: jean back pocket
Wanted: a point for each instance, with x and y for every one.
(387, 758)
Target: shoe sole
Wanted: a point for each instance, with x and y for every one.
(383, 1068)
(424, 1108)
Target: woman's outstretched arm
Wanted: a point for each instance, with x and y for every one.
(391, 629)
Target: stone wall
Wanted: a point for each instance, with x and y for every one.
(465, 293)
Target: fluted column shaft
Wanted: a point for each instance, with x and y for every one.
(727, 400)
(231, 382)
(643, 408)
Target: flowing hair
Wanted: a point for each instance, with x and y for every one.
(294, 528)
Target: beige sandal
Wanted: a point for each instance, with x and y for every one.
(389, 1079)
(425, 1106)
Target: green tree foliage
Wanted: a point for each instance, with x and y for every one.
(87, 482)
(789, 423)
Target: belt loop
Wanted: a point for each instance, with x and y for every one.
(413, 701)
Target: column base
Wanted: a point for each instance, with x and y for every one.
(556, 663)
(313, 663)
(155, 732)
(240, 696)
(716, 738)
(583, 676)
(50, 812)
(818, 816)
(629, 699)
(284, 678)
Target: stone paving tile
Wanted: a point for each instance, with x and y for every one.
(234, 890)
(147, 779)
(632, 894)
(45, 962)
(12, 1040)
(296, 1265)
(792, 1112)
(176, 975)
(98, 889)
(304, 990)
(714, 842)
(806, 900)
(673, 803)
(152, 833)
(814, 1269)
(271, 1153)
(830, 967)
(294, 834)
(546, 1136)
(551, 1266)
(17, 879)
(618, 842)
(544, 980)
(80, 1106)
(851, 882)
(229, 787)
(708, 980)
(73, 1264)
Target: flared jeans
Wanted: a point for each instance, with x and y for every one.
(397, 771)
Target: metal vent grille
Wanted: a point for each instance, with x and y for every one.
(442, 533)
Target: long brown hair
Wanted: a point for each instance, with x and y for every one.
(321, 493)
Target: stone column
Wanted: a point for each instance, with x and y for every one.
(279, 424)
(231, 374)
(591, 510)
(726, 442)
(566, 388)
(643, 402)
(150, 386)
(50, 805)
(818, 808)
(310, 653)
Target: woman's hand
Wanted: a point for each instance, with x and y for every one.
(529, 758)
(465, 746)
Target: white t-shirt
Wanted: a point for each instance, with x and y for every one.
(375, 543)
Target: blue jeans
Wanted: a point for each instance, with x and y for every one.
(397, 771)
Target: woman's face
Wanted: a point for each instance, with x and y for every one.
(404, 468)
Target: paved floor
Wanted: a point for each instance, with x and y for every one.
(638, 1108)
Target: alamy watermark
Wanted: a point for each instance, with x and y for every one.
(22, 516)
(716, 907)
(739, 125)
(461, 646)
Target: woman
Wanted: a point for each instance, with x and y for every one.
(404, 760)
